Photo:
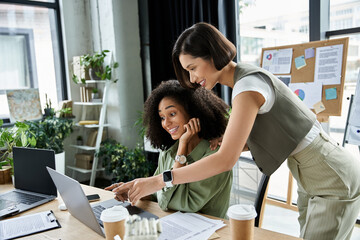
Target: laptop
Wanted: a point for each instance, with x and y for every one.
(33, 184)
(78, 205)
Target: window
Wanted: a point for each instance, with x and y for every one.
(31, 50)
(344, 14)
(263, 24)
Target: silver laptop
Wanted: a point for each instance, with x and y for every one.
(78, 205)
(33, 184)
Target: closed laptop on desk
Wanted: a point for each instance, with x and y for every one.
(33, 184)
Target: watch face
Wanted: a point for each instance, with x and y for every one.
(167, 176)
(181, 159)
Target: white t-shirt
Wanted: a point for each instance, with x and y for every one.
(262, 84)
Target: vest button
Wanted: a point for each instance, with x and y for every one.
(260, 169)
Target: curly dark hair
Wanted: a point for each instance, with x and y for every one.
(198, 103)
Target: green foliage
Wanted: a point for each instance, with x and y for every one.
(125, 164)
(76, 79)
(19, 135)
(227, 115)
(139, 124)
(96, 62)
(51, 132)
(95, 90)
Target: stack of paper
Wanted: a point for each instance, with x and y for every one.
(192, 226)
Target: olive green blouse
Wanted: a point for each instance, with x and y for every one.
(210, 196)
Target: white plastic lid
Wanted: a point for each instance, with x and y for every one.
(114, 214)
(242, 212)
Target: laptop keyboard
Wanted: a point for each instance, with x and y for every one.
(12, 198)
(97, 211)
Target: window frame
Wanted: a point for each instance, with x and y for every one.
(60, 71)
(30, 50)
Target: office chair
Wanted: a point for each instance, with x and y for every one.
(249, 186)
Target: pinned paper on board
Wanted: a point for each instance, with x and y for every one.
(328, 64)
(330, 93)
(319, 107)
(300, 62)
(309, 53)
(277, 61)
(309, 93)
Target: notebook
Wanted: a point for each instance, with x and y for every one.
(33, 184)
(78, 205)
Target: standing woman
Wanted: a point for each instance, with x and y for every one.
(275, 125)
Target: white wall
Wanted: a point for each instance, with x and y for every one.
(96, 25)
(119, 32)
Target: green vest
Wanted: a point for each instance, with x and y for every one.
(276, 133)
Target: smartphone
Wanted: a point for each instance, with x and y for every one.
(93, 197)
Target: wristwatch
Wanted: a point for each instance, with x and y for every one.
(168, 178)
(180, 159)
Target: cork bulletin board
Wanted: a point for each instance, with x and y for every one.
(309, 70)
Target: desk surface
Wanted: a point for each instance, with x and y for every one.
(71, 228)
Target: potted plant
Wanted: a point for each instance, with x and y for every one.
(122, 163)
(50, 133)
(95, 93)
(95, 65)
(19, 135)
(48, 110)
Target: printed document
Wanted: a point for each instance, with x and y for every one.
(181, 226)
(328, 63)
(277, 61)
(28, 224)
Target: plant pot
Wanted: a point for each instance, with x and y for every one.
(5, 175)
(94, 95)
(60, 162)
(93, 75)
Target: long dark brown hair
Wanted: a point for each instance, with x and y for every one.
(205, 41)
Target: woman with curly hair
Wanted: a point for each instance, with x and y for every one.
(181, 122)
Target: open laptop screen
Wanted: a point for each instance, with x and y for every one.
(30, 170)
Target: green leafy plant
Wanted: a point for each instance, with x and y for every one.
(139, 124)
(51, 132)
(48, 110)
(123, 163)
(95, 90)
(76, 79)
(96, 63)
(18, 135)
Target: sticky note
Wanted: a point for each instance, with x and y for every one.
(330, 93)
(309, 53)
(319, 107)
(300, 62)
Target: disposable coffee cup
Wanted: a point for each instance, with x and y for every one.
(242, 220)
(114, 221)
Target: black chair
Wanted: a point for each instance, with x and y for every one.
(249, 186)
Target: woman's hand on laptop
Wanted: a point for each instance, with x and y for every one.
(112, 186)
(123, 196)
(142, 187)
